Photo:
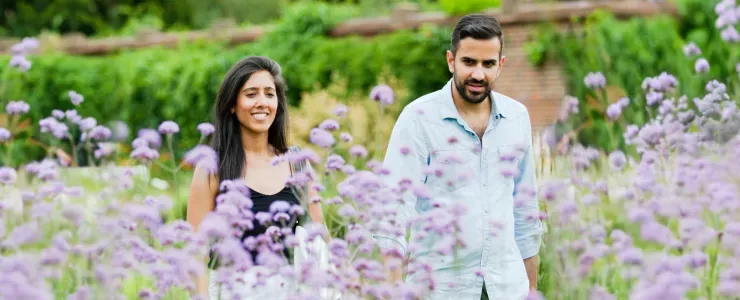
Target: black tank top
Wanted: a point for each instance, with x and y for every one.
(261, 203)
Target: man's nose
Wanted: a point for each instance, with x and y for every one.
(478, 74)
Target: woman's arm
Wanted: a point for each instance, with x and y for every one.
(203, 191)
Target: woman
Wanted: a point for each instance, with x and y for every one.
(251, 123)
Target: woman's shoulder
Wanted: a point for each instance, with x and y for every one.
(205, 176)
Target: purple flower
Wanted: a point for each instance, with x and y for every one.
(100, 133)
(595, 80)
(151, 136)
(329, 125)
(666, 107)
(144, 154)
(730, 34)
(345, 137)
(652, 98)
(691, 49)
(614, 111)
(25, 46)
(630, 256)
(651, 133)
(653, 231)
(20, 62)
(206, 129)
(724, 6)
(279, 206)
(7, 175)
(334, 162)
(624, 102)
(57, 114)
(382, 93)
(17, 107)
(204, 157)
(4, 134)
(617, 160)
(104, 150)
(569, 107)
(169, 127)
(701, 65)
(340, 110)
(716, 87)
(75, 98)
(321, 138)
(728, 15)
(73, 213)
(214, 225)
(87, 123)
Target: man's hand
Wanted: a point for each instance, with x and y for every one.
(532, 265)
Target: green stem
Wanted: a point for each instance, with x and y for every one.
(74, 149)
(90, 161)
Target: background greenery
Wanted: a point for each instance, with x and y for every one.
(145, 87)
(627, 50)
(123, 17)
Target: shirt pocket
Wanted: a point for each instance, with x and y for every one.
(451, 169)
(507, 160)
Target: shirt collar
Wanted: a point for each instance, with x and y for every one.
(449, 110)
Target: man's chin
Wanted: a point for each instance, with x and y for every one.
(475, 98)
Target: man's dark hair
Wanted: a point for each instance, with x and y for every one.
(479, 27)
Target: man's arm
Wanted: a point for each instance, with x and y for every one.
(404, 159)
(527, 226)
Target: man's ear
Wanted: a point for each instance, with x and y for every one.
(500, 65)
(450, 61)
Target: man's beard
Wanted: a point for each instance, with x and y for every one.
(472, 98)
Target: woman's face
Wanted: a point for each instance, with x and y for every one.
(257, 103)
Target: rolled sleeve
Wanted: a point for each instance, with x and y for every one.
(528, 228)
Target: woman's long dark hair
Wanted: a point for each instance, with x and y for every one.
(227, 139)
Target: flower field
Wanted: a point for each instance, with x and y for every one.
(659, 219)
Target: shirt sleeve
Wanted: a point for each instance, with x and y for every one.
(405, 158)
(528, 228)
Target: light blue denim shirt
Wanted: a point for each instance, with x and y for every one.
(498, 233)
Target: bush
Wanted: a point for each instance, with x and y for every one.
(456, 8)
(623, 49)
(102, 18)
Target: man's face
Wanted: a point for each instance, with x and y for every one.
(475, 67)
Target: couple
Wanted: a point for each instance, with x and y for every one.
(251, 117)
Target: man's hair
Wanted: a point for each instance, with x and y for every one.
(479, 27)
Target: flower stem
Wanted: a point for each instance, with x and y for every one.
(74, 149)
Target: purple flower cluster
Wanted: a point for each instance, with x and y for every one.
(595, 80)
(20, 50)
(144, 147)
(569, 107)
(75, 98)
(17, 107)
(382, 93)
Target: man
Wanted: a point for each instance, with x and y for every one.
(468, 131)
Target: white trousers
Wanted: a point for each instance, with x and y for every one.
(252, 285)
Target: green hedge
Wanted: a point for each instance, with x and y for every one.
(627, 51)
(145, 87)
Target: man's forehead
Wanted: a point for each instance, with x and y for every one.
(479, 49)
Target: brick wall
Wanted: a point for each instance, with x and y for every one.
(540, 89)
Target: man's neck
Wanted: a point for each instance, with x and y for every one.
(467, 109)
